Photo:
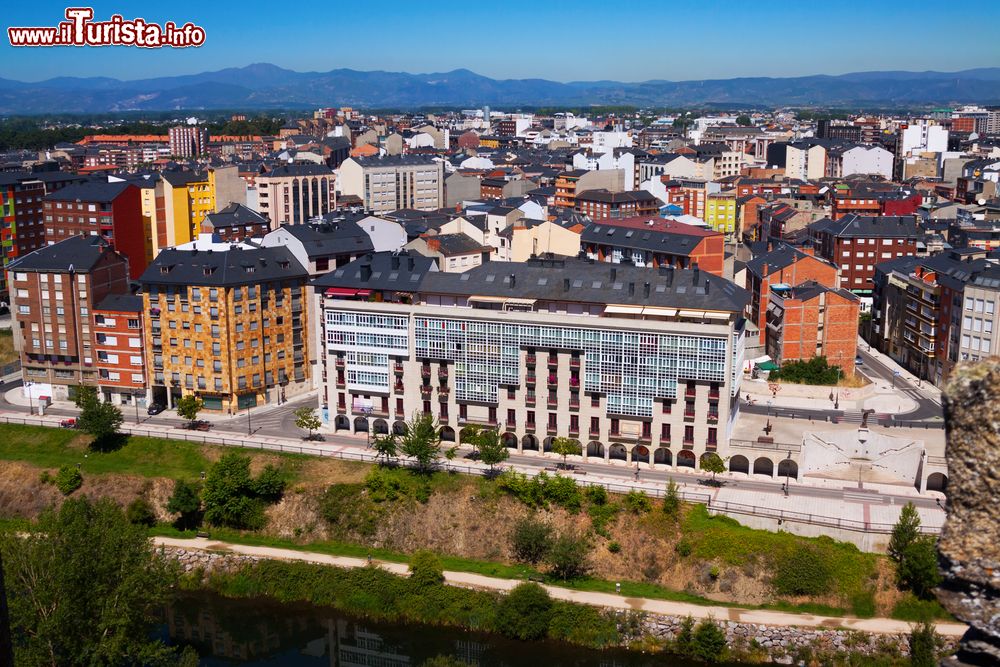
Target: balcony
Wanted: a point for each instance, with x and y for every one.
(553, 361)
(398, 368)
(574, 430)
(444, 390)
(443, 373)
(688, 444)
(529, 427)
(689, 414)
(529, 359)
(713, 418)
(529, 400)
(511, 423)
(530, 379)
(690, 392)
(552, 402)
(551, 429)
(574, 404)
(574, 362)
(553, 381)
(646, 438)
(594, 432)
(443, 419)
(425, 390)
(425, 371)
(341, 383)
(340, 362)
(398, 387)
(713, 395)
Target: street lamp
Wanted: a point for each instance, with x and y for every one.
(895, 374)
(367, 412)
(788, 473)
(249, 430)
(31, 404)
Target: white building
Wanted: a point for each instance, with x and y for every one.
(922, 136)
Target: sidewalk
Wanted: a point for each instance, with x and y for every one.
(607, 600)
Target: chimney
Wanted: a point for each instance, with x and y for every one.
(707, 285)
(697, 273)
(645, 290)
(366, 272)
(512, 280)
(631, 289)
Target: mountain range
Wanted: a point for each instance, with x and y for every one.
(266, 86)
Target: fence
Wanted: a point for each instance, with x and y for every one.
(718, 506)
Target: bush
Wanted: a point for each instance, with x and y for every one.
(709, 642)
(614, 547)
(541, 490)
(525, 612)
(802, 571)
(269, 485)
(568, 556)
(684, 641)
(918, 570)
(671, 500)
(683, 548)
(140, 512)
(531, 540)
(234, 498)
(426, 570)
(68, 480)
(598, 495)
(923, 645)
(601, 516)
(382, 485)
(637, 502)
(814, 371)
(186, 504)
(562, 491)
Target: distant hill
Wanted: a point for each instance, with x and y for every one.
(265, 86)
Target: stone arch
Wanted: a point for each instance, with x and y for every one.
(937, 481)
(640, 453)
(788, 468)
(380, 427)
(399, 427)
(463, 433)
(595, 448)
(618, 452)
(662, 455)
(739, 463)
(341, 423)
(685, 459)
(447, 434)
(763, 466)
(705, 455)
(529, 442)
(510, 440)
(360, 424)
(547, 444)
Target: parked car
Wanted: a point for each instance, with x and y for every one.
(68, 423)
(155, 409)
(858, 361)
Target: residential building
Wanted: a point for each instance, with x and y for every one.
(184, 198)
(188, 140)
(720, 212)
(226, 323)
(806, 160)
(236, 223)
(528, 237)
(54, 291)
(111, 210)
(569, 183)
(388, 183)
(637, 365)
(654, 242)
(812, 320)
(296, 193)
(783, 266)
(454, 252)
(601, 204)
(119, 350)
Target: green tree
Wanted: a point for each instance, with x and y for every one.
(709, 642)
(140, 512)
(306, 419)
(815, 371)
(905, 532)
(525, 613)
(918, 568)
(234, 498)
(422, 441)
(99, 419)
(671, 500)
(189, 406)
(68, 480)
(85, 588)
(186, 504)
(426, 569)
(492, 450)
(743, 120)
(564, 447)
(386, 446)
(684, 641)
(531, 540)
(568, 555)
(637, 502)
(713, 463)
(923, 645)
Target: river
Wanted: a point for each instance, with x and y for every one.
(265, 632)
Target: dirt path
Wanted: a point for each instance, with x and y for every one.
(609, 600)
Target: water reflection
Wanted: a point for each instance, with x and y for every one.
(264, 632)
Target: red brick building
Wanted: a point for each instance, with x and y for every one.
(655, 242)
(857, 243)
(112, 211)
(783, 266)
(811, 320)
(118, 346)
(602, 204)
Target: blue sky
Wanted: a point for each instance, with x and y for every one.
(576, 40)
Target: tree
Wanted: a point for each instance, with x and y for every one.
(905, 532)
(671, 500)
(923, 645)
(234, 498)
(140, 512)
(186, 504)
(189, 406)
(918, 569)
(525, 613)
(743, 120)
(713, 463)
(709, 642)
(99, 419)
(568, 555)
(426, 569)
(814, 371)
(684, 641)
(386, 446)
(491, 448)
(422, 441)
(531, 540)
(68, 480)
(564, 447)
(85, 588)
(306, 419)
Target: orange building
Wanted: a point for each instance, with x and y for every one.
(118, 345)
(784, 266)
(811, 320)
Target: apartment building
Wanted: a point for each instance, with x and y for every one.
(388, 183)
(227, 323)
(184, 198)
(119, 350)
(296, 193)
(569, 183)
(720, 212)
(654, 242)
(55, 291)
(601, 204)
(111, 210)
(637, 365)
(188, 140)
(811, 320)
(236, 223)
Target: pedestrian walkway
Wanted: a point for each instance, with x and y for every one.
(606, 600)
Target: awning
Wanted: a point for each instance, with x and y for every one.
(768, 366)
(659, 312)
(716, 315)
(623, 310)
(501, 299)
(345, 291)
(692, 313)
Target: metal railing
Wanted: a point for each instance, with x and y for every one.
(770, 446)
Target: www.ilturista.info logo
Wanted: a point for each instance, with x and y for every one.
(81, 30)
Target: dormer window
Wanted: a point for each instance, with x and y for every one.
(249, 269)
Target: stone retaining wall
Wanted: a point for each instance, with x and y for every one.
(208, 561)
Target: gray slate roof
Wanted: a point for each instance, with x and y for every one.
(80, 252)
(237, 266)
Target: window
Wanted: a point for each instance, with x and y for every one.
(665, 432)
(595, 425)
(688, 435)
(553, 420)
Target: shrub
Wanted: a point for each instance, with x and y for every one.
(383, 485)
(269, 486)
(563, 492)
(918, 570)
(597, 495)
(671, 500)
(525, 612)
(568, 556)
(683, 548)
(814, 371)
(426, 570)
(68, 480)
(614, 547)
(186, 504)
(709, 642)
(684, 641)
(637, 502)
(923, 645)
(802, 571)
(531, 540)
(234, 498)
(140, 512)
(601, 516)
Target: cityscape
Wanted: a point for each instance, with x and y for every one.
(700, 368)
